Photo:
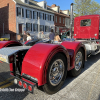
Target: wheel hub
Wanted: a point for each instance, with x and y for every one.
(56, 72)
(78, 61)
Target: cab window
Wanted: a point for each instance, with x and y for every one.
(86, 22)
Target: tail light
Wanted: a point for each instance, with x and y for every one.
(97, 42)
(20, 83)
(30, 88)
(25, 85)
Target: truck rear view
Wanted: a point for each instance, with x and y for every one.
(87, 27)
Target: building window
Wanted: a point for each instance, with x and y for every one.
(63, 20)
(41, 27)
(34, 14)
(58, 10)
(56, 19)
(26, 1)
(46, 28)
(59, 19)
(28, 14)
(51, 18)
(41, 15)
(86, 22)
(28, 27)
(37, 15)
(46, 17)
(18, 11)
(22, 12)
(35, 27)
(45, 5)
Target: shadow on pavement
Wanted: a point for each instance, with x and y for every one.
(90, 61)
(98, 97)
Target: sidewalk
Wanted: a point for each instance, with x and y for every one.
(85, 87)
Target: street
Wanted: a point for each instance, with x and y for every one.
(84, 87)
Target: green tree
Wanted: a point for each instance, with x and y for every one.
(86, 7)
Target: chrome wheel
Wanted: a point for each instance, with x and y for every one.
(56, 72)
(78, 61)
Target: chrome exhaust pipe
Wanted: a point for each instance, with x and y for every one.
(71, 19)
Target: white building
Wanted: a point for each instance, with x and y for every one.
(33, 17)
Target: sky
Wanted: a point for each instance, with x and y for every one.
(64, 4)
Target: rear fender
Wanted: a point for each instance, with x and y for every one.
(8, 43)
(73, 47)
(37, 59)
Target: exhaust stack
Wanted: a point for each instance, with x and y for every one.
(71, 19)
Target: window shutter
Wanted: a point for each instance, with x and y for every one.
(43, 28)
(37, 15)
(22, 12)
(26, 13)
(37, 27)
(43, 16)
(17, 11)
(26, 26)
(33, 14)
(31, 26)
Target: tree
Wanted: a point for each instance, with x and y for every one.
(86, 7)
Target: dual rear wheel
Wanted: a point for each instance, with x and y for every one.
(57, 71)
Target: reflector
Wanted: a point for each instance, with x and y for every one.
(30, 88)
(20, 83)
(24, 85)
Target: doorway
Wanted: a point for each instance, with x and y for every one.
(20, 29)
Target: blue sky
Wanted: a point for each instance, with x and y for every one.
(64, 4)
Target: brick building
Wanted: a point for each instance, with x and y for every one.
(62, 19)
(17, 16)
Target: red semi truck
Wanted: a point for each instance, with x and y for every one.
(47, 64)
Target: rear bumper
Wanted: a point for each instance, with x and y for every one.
(24, 83)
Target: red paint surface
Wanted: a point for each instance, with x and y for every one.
(11, 68)
(72, 47)
(87, 32)
(7, 43)
(37, 59)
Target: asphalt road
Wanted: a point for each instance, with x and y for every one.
(84, 87)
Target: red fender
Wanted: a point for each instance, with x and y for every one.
(73, 47)
(7, 43)
(37, 59)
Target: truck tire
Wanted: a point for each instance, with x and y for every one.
(79, 63)
(56, 74)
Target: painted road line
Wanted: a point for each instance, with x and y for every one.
(6, 80)
(7, 85)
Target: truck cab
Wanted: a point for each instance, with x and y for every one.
(87, 27)
(87, 31)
